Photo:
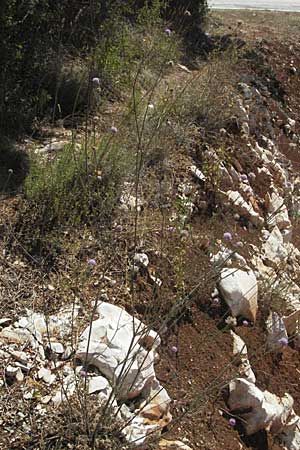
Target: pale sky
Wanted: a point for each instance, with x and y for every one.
(283, 5)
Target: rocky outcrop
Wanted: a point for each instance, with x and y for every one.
(260, 410)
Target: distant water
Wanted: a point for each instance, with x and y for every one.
(275, 5)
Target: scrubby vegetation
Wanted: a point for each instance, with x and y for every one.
(146, 159)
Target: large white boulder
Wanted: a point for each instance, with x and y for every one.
(260, 410)
(239, 290)
(122, 348)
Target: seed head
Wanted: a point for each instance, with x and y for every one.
(96, 82)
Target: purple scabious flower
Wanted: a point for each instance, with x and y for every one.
(83, 373)
(171, 229)
(227, 236)
(245, 323)
(174, 349)
(114, 130)
(244, 177)
(91, 262)
(232, 422)
(216, 301)
(168, 32)
(283, 341)
(119, 228)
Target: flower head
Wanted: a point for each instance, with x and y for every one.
(171, 229)
(119, 228)
(283, 341)
(184, 233)
(245, 323)
(244, 177)
(91, 262)
(232, 422)
(174, 349)
(96, 81)
(10, 171)
(227, 236)
(216, 301)
(168, 32)
(83, 373)
(114, 130)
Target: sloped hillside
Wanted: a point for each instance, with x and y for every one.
(150, 265)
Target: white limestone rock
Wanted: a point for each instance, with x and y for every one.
(265, 411)
(15, 335)
(276, 330)
(141, 259)
(46, 375)
(277, 212)
(97, 384)
(14, 373)
(239, 290)
(38, 324)
(66, 390)
(172, 445)
(290, 436)
(157, 403)
(139, 429)
(197, 173)
(242, 207)
(227, 258)
(273, 250)
(241, 360)
(116, 348)
(54, 348)
(292, 323)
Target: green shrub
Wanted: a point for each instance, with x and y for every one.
(81, 184)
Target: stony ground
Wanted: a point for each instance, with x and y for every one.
(196, 354)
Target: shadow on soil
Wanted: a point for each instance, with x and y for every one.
(14, 165)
